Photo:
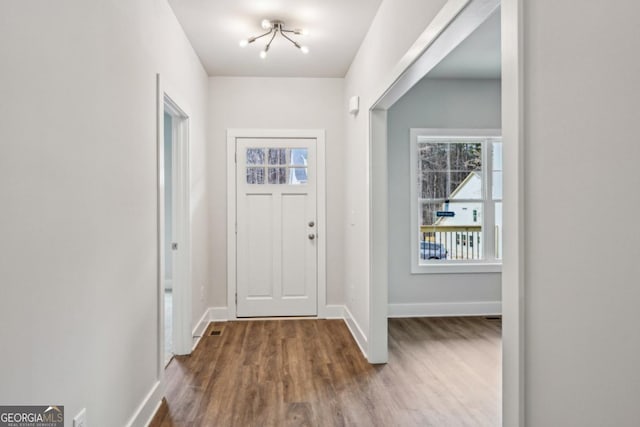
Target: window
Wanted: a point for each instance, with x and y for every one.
(456, 200)
(276, 166)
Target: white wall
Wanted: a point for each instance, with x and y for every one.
(433, 103)
(582, 92)
(396, 26)
(277, 103)
(78, 259)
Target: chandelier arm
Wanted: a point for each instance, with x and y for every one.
(261, 35)
(291, 40)
(272, 37)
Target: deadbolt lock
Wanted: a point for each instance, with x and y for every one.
(311, 223)
(312, 236)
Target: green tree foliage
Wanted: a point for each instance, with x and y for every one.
(442, 167)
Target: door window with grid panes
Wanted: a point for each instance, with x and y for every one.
(276, 166)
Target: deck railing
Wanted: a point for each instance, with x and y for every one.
(461, 242)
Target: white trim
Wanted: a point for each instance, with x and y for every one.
(231, 224)
(333, 312)
(160, 227)
(359, 336)
(460, 267)
(218, 314)
(321, 231)
(211, 314)
(148, 407)
(182, 338)
(181, 227)
(513, 208)
(487, 265)
(201, 327)
(319, 136)
(378, 345)
(250, 319)
(445, 309)
(413, 66)
(447, 133)
(202, 324)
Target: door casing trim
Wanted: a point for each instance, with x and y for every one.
(181, 227)
(321, 221)
(167, 95)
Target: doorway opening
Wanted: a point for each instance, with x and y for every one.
(174, 284)
(455, 23)
(167, 277)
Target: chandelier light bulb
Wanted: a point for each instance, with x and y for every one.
(304, 32)
(272, 29)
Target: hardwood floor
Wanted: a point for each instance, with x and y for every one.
(441, 372)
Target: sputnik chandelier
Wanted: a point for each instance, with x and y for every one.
(273, 28)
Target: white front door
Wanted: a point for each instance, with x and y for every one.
(276, 227)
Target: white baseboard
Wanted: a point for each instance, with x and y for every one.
(446, 309)
(201, 326)
(221, 314)
(148, 408)
(356, 331)
(218, 314)
(333, 312)
(211, 314)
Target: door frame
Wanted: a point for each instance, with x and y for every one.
(456, 20)
(321, 221)
(181, 327)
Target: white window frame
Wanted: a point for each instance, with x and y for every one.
(487, 265)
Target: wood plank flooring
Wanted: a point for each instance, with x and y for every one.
(441, 372)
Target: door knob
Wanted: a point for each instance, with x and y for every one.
(312, 236)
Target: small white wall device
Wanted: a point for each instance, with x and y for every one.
(354, 105)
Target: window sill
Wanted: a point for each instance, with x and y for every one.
(453, 268)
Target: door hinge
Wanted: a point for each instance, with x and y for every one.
(236, 298)
(236, 228)
(235, 157)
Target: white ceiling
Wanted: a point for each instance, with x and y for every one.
(477, 57)
(336, 30)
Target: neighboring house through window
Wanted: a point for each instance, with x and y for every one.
(456, 195)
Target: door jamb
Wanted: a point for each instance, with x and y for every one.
(321, 233)
(182, 336)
